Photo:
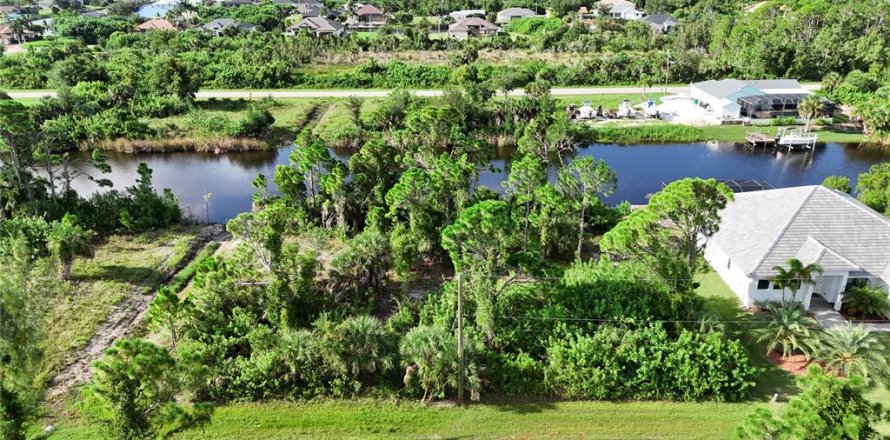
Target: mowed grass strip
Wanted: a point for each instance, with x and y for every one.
(369, 419)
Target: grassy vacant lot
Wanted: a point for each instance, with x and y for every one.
(123, 266)
(379, 419)
(290, 115)
(369, 419)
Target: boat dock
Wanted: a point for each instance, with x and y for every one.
(792, 139)
(758, 139)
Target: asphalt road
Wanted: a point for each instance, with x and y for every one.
(250, 94)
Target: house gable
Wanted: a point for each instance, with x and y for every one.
(764, 229)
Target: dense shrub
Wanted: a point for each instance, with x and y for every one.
(254, 123)
(647, 363)
(34, 230)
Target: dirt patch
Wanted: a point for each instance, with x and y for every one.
(795, 364)
(121, 322)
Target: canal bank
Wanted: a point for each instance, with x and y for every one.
(641, 170)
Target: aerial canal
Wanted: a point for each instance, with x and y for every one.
(641, 170)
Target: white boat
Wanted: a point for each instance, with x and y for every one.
(793, 138)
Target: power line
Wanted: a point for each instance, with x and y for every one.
(661, 321)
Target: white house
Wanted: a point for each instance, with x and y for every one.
(733, 98)
(661, 22)
(764, 229)
(466, 13)
(622, 9)
(510, 14)
(317, 26)
(472, 27)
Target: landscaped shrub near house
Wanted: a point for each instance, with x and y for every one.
(866, 301)
(648, 363)
(783, 121)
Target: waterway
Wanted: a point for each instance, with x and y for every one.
(641, 170)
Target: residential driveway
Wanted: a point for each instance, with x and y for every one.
(15, 48)
(828, 317)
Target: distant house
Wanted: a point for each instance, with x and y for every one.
(466, 13)
(44, 27)
(8, 34)
(764, 229)
(156, 25)
(661, 22)
(472, 27)
(95, 13)
(510, 14)
(621, 9)
(365, 17)
(733, 98)
(317, 26)
(236, 3)
(310, 9)
(13, 12)
(221, 25)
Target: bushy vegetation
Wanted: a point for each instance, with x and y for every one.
(314, 302)
(608, 51)
(828, 408)
(866, 301)
(648, 364)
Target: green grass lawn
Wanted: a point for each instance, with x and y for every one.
(736, 133)
(607, 101)
(367, 419)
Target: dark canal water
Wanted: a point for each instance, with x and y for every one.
(641, 169)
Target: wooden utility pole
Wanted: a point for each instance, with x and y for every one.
(460, 342)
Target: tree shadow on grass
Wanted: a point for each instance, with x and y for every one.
(224, 104)
(138, 276)
(525, 407)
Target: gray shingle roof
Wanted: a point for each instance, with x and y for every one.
(318, 24)
(720, 89)
(516, 12)
(763, 229)
(473, 22)
(660, 19)
(774, 83)
(727, 87)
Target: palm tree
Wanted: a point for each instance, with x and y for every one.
(797, 275)
(811, 107)
(429, 355)
(788, 329)
(365, 346)
(68, 240)
(850, 350)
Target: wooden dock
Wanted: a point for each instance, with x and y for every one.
(758, 139)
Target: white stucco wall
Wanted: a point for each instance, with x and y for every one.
(732, 274)
(745, 287)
